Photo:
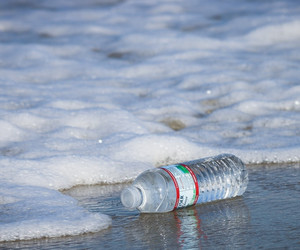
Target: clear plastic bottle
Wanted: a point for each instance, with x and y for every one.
(167, 188)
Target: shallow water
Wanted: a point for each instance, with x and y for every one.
(97, 91)
(266, 216)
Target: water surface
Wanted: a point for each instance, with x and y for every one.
(97, 91)
(266, 216)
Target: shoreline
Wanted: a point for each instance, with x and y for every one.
(204, 225)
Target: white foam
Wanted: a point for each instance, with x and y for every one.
(95, 94)
(31, 212)
(274, 34)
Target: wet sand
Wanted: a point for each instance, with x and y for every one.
(266, 216)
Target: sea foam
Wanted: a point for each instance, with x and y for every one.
(96, 93)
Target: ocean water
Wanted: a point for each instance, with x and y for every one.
(265, 217)
(96, 92)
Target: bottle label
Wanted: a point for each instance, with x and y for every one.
(186, 184)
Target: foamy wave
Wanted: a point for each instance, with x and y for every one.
(93, 94)
(274, 34)
(33, 212)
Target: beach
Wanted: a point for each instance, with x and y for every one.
(266, 216)
(94, 93)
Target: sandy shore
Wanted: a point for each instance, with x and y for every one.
(266, 216)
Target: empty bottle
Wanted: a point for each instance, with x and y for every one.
(176, 186)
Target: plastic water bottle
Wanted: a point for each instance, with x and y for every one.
(176, 186)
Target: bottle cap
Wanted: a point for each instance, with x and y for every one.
(131, 197)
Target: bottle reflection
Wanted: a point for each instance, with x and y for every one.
(189, 229)
(222, 223)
